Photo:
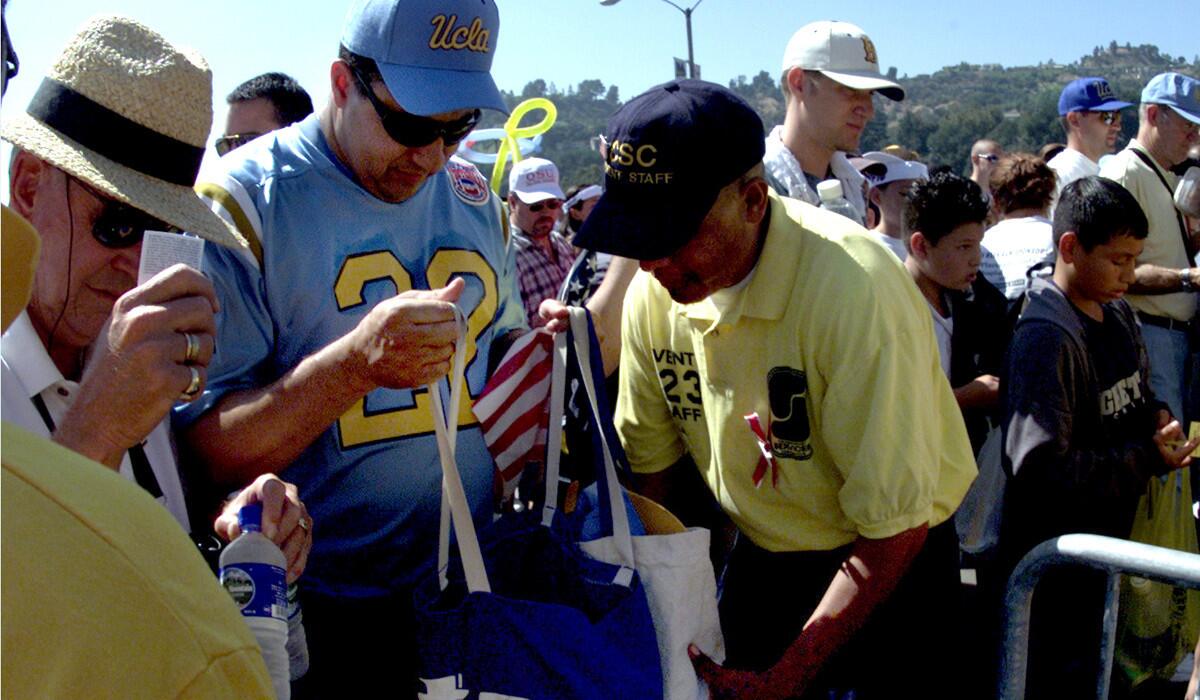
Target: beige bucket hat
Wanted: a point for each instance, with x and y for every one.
(128, 113)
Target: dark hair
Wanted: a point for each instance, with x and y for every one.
(365, 67)
(1022, 181)
(291, 102)
(941, 204)
(1049, 150)
(1098, 210)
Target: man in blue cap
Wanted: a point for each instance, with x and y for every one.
(1168, 280)
(1167, 276)
(364, 234)
(835, 445)
(1091, 118)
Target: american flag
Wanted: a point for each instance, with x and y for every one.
(514, 407)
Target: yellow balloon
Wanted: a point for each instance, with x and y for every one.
(513, 131)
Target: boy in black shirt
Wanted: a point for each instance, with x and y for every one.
(1083, 431)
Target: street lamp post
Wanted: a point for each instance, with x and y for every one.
(687, 17)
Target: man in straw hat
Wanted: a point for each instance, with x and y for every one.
(364, 232)
(835, 446)
(78, 537)
(108, 149)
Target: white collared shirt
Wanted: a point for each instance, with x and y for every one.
(26, 371)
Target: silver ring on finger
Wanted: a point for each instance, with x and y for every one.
(192, 353)
(193, 387)
(304, 524)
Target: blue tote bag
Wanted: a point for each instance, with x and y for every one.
(521, 612)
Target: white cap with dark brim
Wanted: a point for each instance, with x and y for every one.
(843, 52)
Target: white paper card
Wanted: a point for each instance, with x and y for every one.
(161, 250)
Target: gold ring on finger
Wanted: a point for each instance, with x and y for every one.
(193, 387)
(193, 349)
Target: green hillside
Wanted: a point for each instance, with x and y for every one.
(944, 112)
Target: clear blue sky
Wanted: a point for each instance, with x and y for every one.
(630, 44)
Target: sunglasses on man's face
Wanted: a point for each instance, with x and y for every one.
(120, 225)
(551, 204)
(1108, 117)
(229, 142)
(412, 131)
(989, 157)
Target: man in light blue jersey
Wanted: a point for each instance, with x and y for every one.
(363, 234)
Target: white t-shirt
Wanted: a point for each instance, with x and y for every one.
(943, 329)
(893, 244)
(1070, 165)
(1013, 246)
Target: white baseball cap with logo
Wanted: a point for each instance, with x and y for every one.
(534, 180)
(842, 52)
(895, 168)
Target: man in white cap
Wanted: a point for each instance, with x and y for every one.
(888, 190)
(544, 257)
(364, 234)
(830, 72)
(1091, 117)
(108, 149)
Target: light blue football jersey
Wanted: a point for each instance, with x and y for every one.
(323, 253)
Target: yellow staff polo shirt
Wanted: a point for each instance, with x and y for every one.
(832, 345)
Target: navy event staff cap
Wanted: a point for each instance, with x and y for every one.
(670, 151)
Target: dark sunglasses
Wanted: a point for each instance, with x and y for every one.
(1108, 117)
(229, 142)
(412, 131)
(120, 225)
(551, 204)
(989, 157)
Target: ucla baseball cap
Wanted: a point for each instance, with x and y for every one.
(841, 51)
(435, 56)
(535, 180)
(670, 151)
(1089, 95)
(1176, 90)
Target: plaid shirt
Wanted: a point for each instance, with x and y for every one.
(540, 276)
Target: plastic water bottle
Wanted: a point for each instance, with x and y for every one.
(297, 642)
(832, 199)
(252, 571)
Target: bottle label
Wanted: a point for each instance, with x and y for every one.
(257, 589)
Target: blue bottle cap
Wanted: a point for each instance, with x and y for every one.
(250, 517)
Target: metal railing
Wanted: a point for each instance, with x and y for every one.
(1108, 554)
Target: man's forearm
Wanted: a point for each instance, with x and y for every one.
(256, 431)
(867, 578)
(606, 305)
(1152, 279)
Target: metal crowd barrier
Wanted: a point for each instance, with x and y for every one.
(1108, 554)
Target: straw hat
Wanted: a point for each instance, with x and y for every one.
(128, 113)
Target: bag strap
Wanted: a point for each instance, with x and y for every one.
(1187, 241)
(584, 338)
(554, 437)
(454, 498)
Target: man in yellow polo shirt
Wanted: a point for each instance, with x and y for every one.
(787, 355)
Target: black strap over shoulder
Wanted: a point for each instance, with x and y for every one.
(1187, 241)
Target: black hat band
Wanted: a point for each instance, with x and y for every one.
(116, 137)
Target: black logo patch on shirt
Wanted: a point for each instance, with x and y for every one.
(787, 394)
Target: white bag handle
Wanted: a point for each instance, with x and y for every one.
(454, 497)
(622, 536)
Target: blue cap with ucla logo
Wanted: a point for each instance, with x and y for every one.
(1089, 95)
(435, 56)
(1176, 90)
(670, 151)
